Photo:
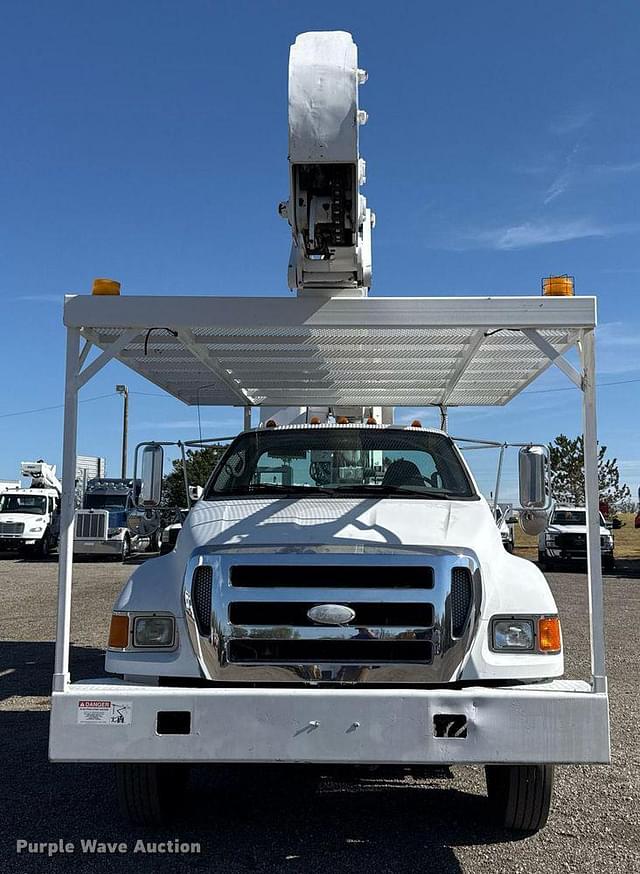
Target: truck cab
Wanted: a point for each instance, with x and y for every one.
(108, 523)
(565, 538)
(30, 517)
(382, 526)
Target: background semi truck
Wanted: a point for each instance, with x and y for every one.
(109, 523)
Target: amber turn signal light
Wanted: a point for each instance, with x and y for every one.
(119, 632)
(105, 286)
(549, 634)
(558, 286)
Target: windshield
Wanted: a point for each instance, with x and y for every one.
(23, 504)
(571, 517)
(105, 502)
(371, 462)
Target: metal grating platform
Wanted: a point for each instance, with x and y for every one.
(296, 351)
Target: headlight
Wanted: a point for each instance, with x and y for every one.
(165, 535)
(36, 529)
(155, 631)
(605, 539)
(114, 531)
(513, 634)
(550, 538)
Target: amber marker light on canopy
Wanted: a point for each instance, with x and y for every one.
(105, 286)
(371, 421)
(558, 286)
(342, 420)
(416, 423)
(315, 421)
(549, 635)
(119, 632)
(271, 423)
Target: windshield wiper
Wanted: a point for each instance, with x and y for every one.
(404, 491)
(272, 489)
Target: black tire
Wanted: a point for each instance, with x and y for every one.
(509, 546)
(520, 795)
(609, 563)
(150, 794)
(155, 541)
(43, 549)
(125, 551)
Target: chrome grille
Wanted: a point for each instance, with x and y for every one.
(416, 613)
(201, 596)
(11, 528)
(91, 525)
(461, 596)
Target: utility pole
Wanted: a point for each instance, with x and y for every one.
(124, 391)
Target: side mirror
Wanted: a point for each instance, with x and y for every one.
(152, 465)
(195, 493)
(533, 469)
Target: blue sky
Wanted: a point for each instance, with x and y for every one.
(147, 141)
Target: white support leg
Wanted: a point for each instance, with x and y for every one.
(592, 495)
(67, 512)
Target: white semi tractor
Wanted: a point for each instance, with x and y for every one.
(339, 595)
(29, 516)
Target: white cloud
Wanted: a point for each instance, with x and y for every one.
(540, 233)
(571, 121)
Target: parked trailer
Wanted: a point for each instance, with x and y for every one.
(350, 613)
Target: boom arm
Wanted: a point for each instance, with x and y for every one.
(330, 221)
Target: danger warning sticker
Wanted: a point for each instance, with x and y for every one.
(105, 712)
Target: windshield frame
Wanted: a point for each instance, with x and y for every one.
(328, 491)
(24, 512)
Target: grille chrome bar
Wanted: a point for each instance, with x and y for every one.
(11, 528)
(261, 634)
(91, 524)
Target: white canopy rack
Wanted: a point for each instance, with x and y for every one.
(393, 351)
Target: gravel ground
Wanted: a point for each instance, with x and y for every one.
(255, 823)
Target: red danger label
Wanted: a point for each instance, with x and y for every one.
(104, 705)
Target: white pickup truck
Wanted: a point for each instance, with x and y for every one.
(565, 538)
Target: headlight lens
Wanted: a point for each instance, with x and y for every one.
(513, 634)
(113, 531)
(153, 631)
(606, 540)
(36, 529)
(551, 538)
(165, 536)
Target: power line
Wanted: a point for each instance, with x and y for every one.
(55, 407)
(542, 391)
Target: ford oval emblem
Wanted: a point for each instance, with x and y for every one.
(331, 614)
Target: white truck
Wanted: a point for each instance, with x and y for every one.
(339, 595)
(30, 516)
(565, 538)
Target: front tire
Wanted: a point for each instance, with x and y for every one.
(520, 795)
(150, 794)
(125, 551)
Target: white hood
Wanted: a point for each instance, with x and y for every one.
(391, 522)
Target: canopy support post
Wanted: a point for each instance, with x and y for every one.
(592, 499)
(247, 418)
(444, 418)
(61, 674)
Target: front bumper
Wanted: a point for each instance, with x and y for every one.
(97, 547)
(558, 554)
(559, 721)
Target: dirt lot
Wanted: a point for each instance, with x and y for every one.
(257, 824)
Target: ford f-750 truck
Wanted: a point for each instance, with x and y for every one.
(339, 595)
